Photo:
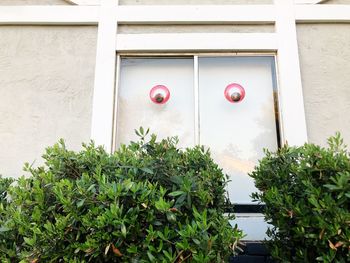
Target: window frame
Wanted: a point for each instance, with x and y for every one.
(195, 56)
(283, 42)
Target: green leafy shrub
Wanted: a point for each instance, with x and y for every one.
(147, 202)
(307, 195)
(4, 185)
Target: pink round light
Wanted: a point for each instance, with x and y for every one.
(234, 93)
(159, 94)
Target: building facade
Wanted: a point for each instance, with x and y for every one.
(83, 69)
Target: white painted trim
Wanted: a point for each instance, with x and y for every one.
(279, 104)
(49, 15)
(197, 41)
(197, 14)
(89, 15)
(290, 86)
(84, 2)
(98, 2)
(322, 13)
(196, 100)
(308, 1)
(116, 95)
(103, 98)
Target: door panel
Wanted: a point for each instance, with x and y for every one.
(237, 132)
(135, 108)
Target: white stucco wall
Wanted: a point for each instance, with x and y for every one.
(46, 83)
(325, 70)
(337, 2)
(144, 29)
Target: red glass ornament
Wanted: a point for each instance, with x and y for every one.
(234, 93)
(159, 94)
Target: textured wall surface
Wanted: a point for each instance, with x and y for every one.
(33, 2)
(325, 70)
(144, 29)
(341, 2)
(46, 83)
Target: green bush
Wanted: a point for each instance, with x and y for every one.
(4, 185)
(307, 195)
(147, 202)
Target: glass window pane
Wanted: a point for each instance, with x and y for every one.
(135, 108)
(237, 132)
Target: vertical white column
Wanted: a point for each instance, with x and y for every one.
(103, 96)
(115, 113)
(196, 100)
(290, 86)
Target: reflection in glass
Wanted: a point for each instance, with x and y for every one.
(237, 133)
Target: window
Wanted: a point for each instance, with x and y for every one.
(198, 111)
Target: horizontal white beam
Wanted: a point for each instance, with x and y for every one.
(197, 41)
(322, 13)
(84, 2)
(98, 2)
(196, 14)
(312, 2)
(185, 14)
(47, 15)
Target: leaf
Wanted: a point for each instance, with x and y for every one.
(147, 170)
(331, 245)
(89, 250)
(91, 187)
(150, 256)
(80, 203)
(116, 251)
(196, 241)
(157, 223)
(338, 244)
(171, 217)
(132, 249)
(176, 180)
(176, 193)
(181, 200)
(4, 229)
(123, 229)
(210, 242)
(321, 234)
(107, 248)
(29, 241)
